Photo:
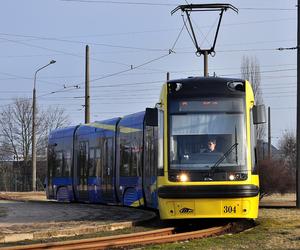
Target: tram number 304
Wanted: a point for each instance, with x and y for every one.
(229, 209)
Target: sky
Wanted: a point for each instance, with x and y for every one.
(132, 46)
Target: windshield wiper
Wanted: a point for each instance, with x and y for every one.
(223, 157)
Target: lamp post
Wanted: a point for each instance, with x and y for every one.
(33, 140)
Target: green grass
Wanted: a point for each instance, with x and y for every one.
(276, 229)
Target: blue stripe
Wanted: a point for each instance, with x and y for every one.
(62, 181)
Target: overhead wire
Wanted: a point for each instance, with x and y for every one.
(122, 3)
(81, 42)
(118, 86)
(127, 47)
(171, 50)
(160, 81)
(60, 51)
(173, 4)
(26, 78)
(164, 70)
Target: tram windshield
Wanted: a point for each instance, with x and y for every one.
(207, 133)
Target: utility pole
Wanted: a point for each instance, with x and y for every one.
(298, 112)
(168, 76)
(87, 85)
(269, 133)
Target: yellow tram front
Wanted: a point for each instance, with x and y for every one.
(206, 164)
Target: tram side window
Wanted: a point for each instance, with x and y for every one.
(67, 163)
(92, 162)
(150, 151)
(51, 161)
(125, 159)
(98, 165)
(83, 159)
(131, 152)
(109, 153)
(253, 145)
(58, 167)
(160, 142)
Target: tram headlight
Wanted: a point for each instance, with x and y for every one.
(237, 176)
(231, 177)
(183, 177)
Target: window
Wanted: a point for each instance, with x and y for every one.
(98, 165)
(195, 123)
(131, 147)
(51, 161)
(67, 163)
(150, 153)
(83, 159)
(92, 164)
(160, 139)
(253, 145)
(58, 168)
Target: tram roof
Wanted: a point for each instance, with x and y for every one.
(199, 79)
(211, 86)
(63, 132)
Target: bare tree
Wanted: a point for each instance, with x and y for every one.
(250, 70)
(16, 133)
(15, 126)
(52, 118)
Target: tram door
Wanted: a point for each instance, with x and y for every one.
(108, 170)
(150, 165)
(82, 171)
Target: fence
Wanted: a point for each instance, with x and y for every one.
(17, 176)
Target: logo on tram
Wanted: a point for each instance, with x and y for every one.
(186, 210)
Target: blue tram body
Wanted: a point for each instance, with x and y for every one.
(109, 161)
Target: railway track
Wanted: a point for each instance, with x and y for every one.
(159, 236)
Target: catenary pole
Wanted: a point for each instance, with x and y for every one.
(298, 111)
(87, 86)
(269, 134)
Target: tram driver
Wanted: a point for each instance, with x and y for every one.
(211, 146)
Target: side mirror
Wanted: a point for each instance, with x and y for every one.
(151, 117)
(259, 114)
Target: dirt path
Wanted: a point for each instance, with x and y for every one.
(35, 218)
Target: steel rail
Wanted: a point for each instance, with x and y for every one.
(166, 235)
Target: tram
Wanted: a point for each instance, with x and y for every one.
(162, 158)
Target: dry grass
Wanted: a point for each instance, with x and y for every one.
(278, 200)
(280, 197)
(3, 212)
(24, 196)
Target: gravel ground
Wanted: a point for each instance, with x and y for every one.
(44, 218)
